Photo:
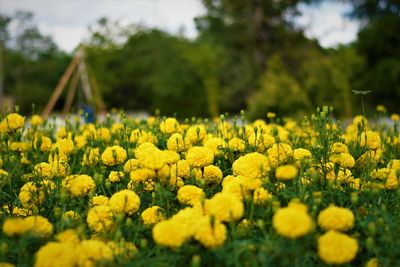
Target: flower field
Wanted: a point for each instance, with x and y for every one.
(163, 192)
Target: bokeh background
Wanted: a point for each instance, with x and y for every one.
(203, 58)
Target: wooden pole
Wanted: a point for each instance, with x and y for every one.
(98, 99)
(71, 93)
(60, 86)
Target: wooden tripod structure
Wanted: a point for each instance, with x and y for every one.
(76, 71)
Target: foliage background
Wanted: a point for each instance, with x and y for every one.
(248, 55)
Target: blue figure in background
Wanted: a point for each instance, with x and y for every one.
(88, 114)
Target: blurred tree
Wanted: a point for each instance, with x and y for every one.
(379, 42)
(279, 92)
(34, 63)
(329, 77)
(247, 33)
(152, 70)
(4, 37)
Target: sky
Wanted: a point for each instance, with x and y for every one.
(67, 21)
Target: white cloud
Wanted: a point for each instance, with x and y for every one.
(67, 20)
(328, 23)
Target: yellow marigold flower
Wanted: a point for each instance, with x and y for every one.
(392, 182)
(198, 156)
(237, 144)
(261, 141)
(3, 173)
(177, 143)
(341, 176)
(381, 108)
(212, 174)
(395, 117)
(336, 218)
(359, 119)
(36, 120)
(38, 226)
(140, 136)
(344, 160)
(21, 211)
(292, 222)
(152, 215)
(252, 165)
(169, 126)
(117, 127)
(45, 143)
(79, 185)
(240, 186)
(33, 194)
(62, 132)
(131, 165)
(215, 144)
(68, 236)
(370, 139)
(141, 175)
(190, 195)
(20, 146)
(169, 234)
(210, 232)
(337, 248)
(300, 154)
(59, 168)
(89, 252)
(43, 169)
(261, 196)
(187, 219)
(100, 218)
(271, 115)
(286, 172)
(71, 215)
(65, 146)
(372, 263)
(394, 164)
(123, 249)
(115, 176)
(104, 134)
(114, 155)
(196, 134)
(91, 157)
(151, 120)
(11, 123)
(14, 226)
(56, 254)
(339, 148)
(196, 173)
(125, 201)
(279, 153)
(380, 174)
(370, 157)
(169, 156)
(180, 169)
(99, 201)
(224, 206)
(149, 156)
(80, 141)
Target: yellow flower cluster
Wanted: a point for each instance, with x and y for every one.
(293, 221)
(337, 248)
(34, 225)
(335, 218)
(114, 155)
(88, 194)
(11, 123)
